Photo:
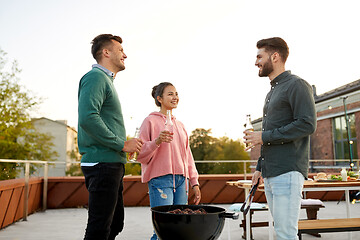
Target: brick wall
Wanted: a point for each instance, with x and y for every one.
(322, 146)
(322, 139)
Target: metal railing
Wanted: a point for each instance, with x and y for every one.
(27, 177)
(46, 171)
(244, 162)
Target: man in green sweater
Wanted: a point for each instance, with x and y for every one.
(102, 139)
(289, 118)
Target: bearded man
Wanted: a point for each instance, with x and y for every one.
(289, 118)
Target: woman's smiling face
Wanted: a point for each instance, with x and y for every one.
(169, 99)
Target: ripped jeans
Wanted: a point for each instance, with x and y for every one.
(161, 192)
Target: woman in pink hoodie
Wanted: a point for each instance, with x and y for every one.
(166, 160)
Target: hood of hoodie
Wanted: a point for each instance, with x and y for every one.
(159, 114)
(182, 161)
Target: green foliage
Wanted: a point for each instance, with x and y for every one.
(202, 144)
(18, 137)
(133, 169)
(206, 147)
(74, 169)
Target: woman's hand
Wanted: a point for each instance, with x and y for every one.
(197, 192)
(164, 136)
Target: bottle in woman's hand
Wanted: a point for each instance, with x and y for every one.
(169, 126)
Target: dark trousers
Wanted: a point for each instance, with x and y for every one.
(104, 182)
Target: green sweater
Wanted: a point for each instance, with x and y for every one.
(101, 130)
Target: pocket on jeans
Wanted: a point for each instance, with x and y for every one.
(161, 182)
(280, 185)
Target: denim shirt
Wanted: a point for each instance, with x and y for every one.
(289, 117)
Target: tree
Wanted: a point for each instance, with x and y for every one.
(206, 147)
(18, 137)
(201, 144)
(132, 168)
(231, 150)
(203, 147)
(75, 156)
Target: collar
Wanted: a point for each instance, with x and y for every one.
(107, 71)
(281, 78)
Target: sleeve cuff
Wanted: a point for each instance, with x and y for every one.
(153, 145)
(265, 136)
(121, 144)
(258, 166)
(194, 182)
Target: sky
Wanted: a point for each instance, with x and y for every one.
(206, 48)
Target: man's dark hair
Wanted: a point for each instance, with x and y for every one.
(100, 42)
(274, 44)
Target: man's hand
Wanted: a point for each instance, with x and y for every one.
(197, 192)
(252, 139)
(133, 145)
(257, 178)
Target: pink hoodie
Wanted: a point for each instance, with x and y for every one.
(168, 158)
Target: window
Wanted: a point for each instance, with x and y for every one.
(341, 141)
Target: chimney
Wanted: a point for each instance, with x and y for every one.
(62, 121)
(314, 90)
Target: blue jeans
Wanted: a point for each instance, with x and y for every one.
(104, 182)
(161, 192)
(283, 194)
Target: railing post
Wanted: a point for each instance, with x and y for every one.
(26, 190)
(244, 170)
(46, 173)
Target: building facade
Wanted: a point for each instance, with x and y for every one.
(333, 135)
(65, 143)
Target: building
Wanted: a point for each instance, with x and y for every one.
(64, 140)
(330, 140)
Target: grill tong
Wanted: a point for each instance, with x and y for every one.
(252, 193)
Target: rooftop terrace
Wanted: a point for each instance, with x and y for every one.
(65, 218)
(69, 224)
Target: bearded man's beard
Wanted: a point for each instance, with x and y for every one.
(266, 69)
